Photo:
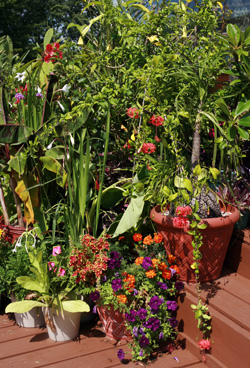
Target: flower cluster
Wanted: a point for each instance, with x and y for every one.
(145, 292)
(132, 112)
(156, 120)
(182, 220)
(90, 260)
(148, 148)
(52, 52)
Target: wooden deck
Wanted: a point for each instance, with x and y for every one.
(30, 347)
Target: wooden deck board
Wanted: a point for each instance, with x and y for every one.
(30, 347)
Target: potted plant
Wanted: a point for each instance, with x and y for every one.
(54, 289)
(136, 301)
(15, 263)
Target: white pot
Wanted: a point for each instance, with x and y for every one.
(62, 328)
(33, 318)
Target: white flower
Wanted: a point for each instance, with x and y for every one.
(71, 139)
(65, 88)
(38, 89)
(20, 76)
(59, 103)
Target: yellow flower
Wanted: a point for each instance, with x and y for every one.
(1, 232)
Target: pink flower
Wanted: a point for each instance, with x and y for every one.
(204, 344)
(180, 222)
(61, 272)
(51, 265)
(127, 145)
(183, 211)
(156, 120)
(148, 148)
(56, 250)
(157, 139)
(132, 112)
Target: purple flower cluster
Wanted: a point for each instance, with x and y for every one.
(138, 330)
(94, 295)
(162, 285)
(173, 322)
(154, 303)
(179, 285)
(171, 305)
(116, 284)
(114, 261)
(147, 263)
(131, 317)
(142, 313)
(120, 354)
(152, 323)
(143, 342)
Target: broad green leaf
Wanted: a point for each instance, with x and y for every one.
(215, 172)
(47, 38)
(178, 182)
(188, 185)
(166, 191)
(111, 197)
(140, 6)
(18, 163)
(12, 133)
(242, 107)
(245, 121)
(23, 306)
(130, 216)
(202, 226)
(75, 306)
(243, 133)
(197, 170)
(172, 197)
(224, 108)
(233, 32)
(231, 133)
(29, 283)
(53, 165)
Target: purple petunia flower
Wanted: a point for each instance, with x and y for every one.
(111, 264)
(161, 335)
(115, 255)
(135, 292)
(179, 285)
(143, 342)
(39, 95)
(162, 285)
(146, 263)
(131, 316)
(171, 305)
(154, 303)
(173, 271)
(142, 313)
(141, 353)
(173, 322)
(135, 331)
(104, 278)
(116, 284)
(152, 323)
(94, 295)
(141, 331)
(94, 310)
(120, 354)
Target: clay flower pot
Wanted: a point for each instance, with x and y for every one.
(216, 238)
(113, 323)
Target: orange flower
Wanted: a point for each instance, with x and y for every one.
(171, 258)
(166, 274)
(150, 274)
(162, 266)
(139, 260)
(155, 262)
(148, 240)
(176, 268)
(158, 238)
(129, 282)
(137, 237)
(122, 298)
(121, 238)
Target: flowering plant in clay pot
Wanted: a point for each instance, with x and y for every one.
(144, 291)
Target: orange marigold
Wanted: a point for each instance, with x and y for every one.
(137, 237)
(166, 274)
(176, 268)
(139, 260)
(155, 262)
(148, 240)
(150, 274)
(122, 298)
(162, 266)
(171, 258)
(158, 238)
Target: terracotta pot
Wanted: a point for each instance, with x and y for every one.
(113, 323)
(15, 232)
(216, 238)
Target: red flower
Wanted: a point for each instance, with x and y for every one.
(180, 222)
(137, 237)
(148, 148)
(157, 139)
(183, 211)
(204, 344)
(156, 120)
(132, 112)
